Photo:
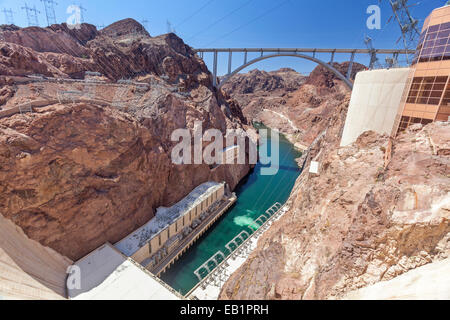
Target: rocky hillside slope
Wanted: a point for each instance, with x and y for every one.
(376, 210)
(91, 162)
(298, 106)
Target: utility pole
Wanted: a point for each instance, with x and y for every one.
(9, 19)
(49, 6)
(32, 15)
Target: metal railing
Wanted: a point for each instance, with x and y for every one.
(216, 274)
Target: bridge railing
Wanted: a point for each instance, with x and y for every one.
(300, 52)
(216, 271)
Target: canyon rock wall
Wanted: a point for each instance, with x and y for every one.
(92, 162)
(376, 210)
(299, 106)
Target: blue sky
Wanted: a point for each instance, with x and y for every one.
(246, 23)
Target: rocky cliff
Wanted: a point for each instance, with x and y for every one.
(377, 209)
(91, 162)
(299, 106)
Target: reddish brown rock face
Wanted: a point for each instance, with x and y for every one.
(121, 50)
(298, 106)
(358, 222)
(75, 175)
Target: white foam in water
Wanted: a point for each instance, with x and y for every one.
(245, 221)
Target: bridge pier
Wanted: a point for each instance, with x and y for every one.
(215, 69)
(350, 66)
(373, 59)
(332, 57)
(230, 59)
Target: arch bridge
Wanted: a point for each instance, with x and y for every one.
(308, 54)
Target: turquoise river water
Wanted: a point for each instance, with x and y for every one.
(256, 194)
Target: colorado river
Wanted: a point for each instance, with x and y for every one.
(255, 194)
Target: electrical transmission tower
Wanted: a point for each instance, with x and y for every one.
(81, 13)
(408, 24)
(49, 6)
(170, 28)
(31, 15)
(145, 23)
(373, 53)
(8, 16)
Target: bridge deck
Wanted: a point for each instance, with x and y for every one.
(303, 53)
(308, 50)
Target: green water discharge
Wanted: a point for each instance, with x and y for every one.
(256, 194)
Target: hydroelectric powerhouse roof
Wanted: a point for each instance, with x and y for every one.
(164, 218)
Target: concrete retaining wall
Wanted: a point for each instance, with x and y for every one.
(375, 101)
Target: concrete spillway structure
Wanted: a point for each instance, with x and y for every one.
(28, 270)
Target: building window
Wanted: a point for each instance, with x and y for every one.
(446, 99)
(427, 90)
(444, 109)
(159, 239)
(405, 122)
(434, 44)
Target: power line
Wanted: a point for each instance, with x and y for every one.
(8, 16)
(407, 23)
(32, 15)
(194, 14)
(373, 53)
(249, 22)
(49, 6)
(220, 20)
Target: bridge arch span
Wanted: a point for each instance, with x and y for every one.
(326, 65)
